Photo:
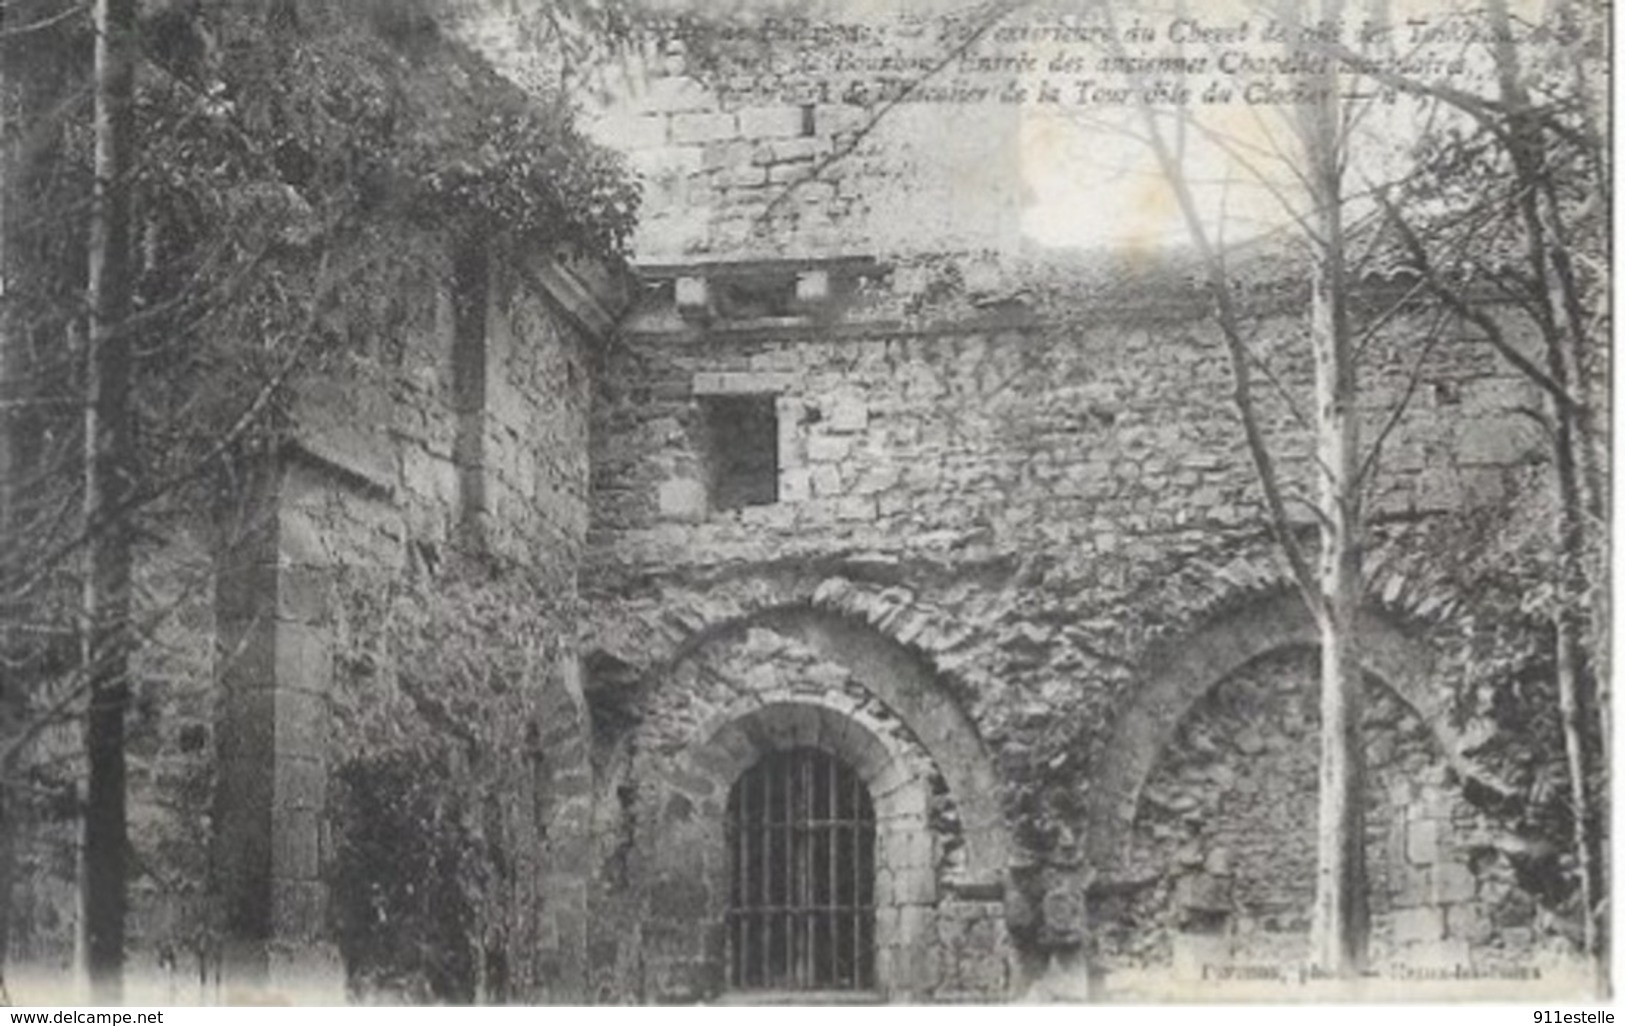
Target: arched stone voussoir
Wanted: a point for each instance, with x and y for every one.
(662, 629)
(1179, 672)
(848, 624)
(733, 741)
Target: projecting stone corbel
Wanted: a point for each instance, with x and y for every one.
(693, 299)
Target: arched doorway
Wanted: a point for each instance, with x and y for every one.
(801, 905)
(780, 680)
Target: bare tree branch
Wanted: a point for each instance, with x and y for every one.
(1471, 312)
(1413, 380)
(1235, 346)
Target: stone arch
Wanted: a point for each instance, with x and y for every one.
(689, 855)
(657, 629)
(885, 636)
(906, 682)
(1178, 673)
(1222, 852)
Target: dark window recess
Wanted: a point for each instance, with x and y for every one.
(749, 299)
(744, 450)
(801, 905)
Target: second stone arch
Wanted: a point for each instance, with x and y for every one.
(793, 696)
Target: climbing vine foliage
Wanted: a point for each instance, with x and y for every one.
(449, 679)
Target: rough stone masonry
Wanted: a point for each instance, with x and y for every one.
(1000, 553)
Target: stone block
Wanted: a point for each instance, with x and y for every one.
(304, 658)
(796, 485)
(793, 171)
(698, 127)
(824, 480)
(803, 726)
(1500, 441)
(773, 518)
(1422, 841)
(911, 853)
(756, 382)
(776, 122)
(693, 299)
(242, 592)
(886, 966)
(680, 898)
(812, 289)
(420, 473)
(683, 499)
(1453, 882)
(915, 967)
(722, 156)
(848, 415)
(911, 926)
(295, 845)
(1412, 886)
(800, 150)
(1468, 923)
(1440, 491)
(1063, 908)
(1483, 486)
(632, 131)
(1202, 892)
(302, 594)
(301, 783)
(857, 508)
(915, 886)
(886, 777)
(1423, 925)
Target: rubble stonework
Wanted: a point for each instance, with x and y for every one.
(430, 493)
(1041, 510)
(1016, 574)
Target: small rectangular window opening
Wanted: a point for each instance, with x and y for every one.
(743, 441)
(748, 299)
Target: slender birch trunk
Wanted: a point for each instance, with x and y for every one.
(1558, 309)
(1340, 926)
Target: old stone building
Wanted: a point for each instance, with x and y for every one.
(795, 615)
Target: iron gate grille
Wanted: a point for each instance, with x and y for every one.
(801, 909)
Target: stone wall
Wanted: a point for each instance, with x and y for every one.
(1041, 434)
(393, 583)
(792, 148)
(749, 178)
(1222, 866)
(1033, 506)
(797, 678)
(441, 491)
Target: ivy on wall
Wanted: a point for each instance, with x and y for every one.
(448, 677)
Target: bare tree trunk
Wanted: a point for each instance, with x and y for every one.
(10, 685)
(1569, 663)
(1558, 307)
(109, 470)
(1341, 922)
